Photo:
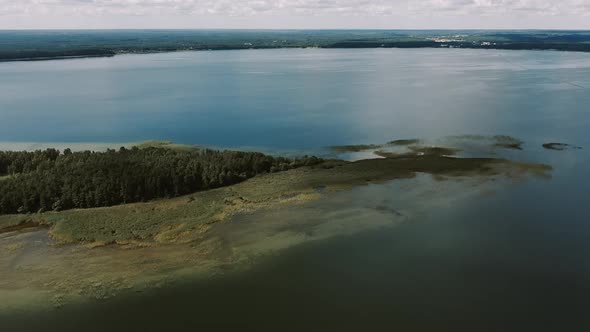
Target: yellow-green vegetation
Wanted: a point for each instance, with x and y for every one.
(187, 218)
(19, 224)
(10, 222)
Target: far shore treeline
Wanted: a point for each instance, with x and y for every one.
(56, 44)
(48, 180)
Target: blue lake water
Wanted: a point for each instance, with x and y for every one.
(514, 260)
(297, 99)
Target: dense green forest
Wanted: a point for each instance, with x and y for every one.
(44, 44)
(51, 180)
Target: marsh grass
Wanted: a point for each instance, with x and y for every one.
(8, 223)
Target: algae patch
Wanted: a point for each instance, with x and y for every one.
(497, 141)
(354, 148)
(449, 146)
(508, 142)
(416, 151)
(368, 147)
(560, 146)
(403, 142)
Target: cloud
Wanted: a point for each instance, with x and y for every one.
(499, 7)
(277, 11)
(219, 7)
(307, 7)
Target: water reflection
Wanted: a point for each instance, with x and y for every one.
(297, 99)
(467, 254)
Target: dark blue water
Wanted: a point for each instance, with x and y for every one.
(297, 99)
(513, 261)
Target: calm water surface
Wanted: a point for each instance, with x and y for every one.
(296, 99)
(516, 260)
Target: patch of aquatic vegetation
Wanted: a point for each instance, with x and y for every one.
(560, 146)
(415, 151)
(354, 148)
(508, 142)
(40, 277)
(450, 146)
(497, 141)
(405, 142)
(368, 147)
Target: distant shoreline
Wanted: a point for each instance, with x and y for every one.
(40, 45)
(346, 46)
(60, 57)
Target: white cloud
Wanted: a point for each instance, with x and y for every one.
(278, 11)
(253, 7)
(221, 7)
(498, 7)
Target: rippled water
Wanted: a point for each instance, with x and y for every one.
(297, 99)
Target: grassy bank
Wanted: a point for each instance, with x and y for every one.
(187, 218)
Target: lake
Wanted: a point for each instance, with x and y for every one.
(513, 258)
(296, 99)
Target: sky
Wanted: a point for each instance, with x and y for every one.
(295, 14)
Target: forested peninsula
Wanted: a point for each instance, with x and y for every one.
(158, 193)
(51, 180)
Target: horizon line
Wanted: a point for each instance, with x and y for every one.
(296, 29)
